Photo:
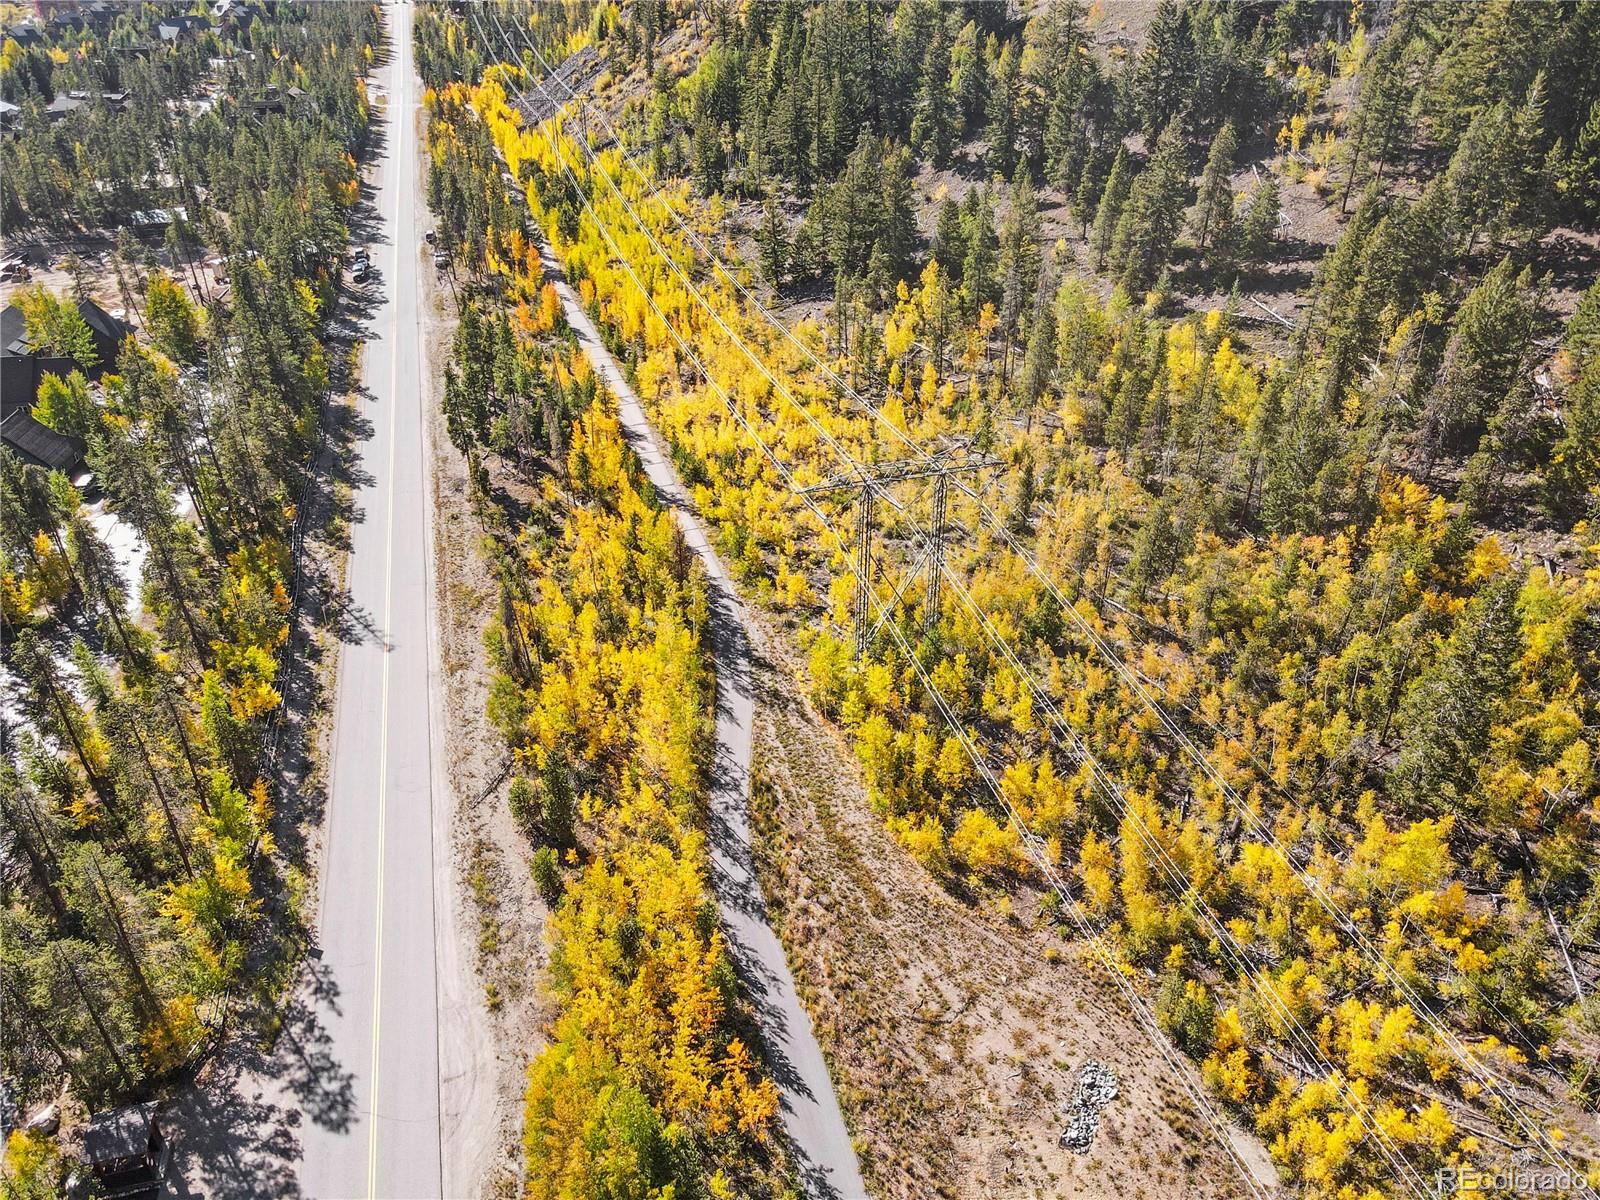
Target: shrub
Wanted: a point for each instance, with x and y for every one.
(547, 874)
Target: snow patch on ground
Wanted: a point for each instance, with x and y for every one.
(126, 546)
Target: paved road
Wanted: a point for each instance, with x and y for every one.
(376, 998)
(811, 1115)
(385, 1043)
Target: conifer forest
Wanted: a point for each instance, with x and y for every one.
(684, 599)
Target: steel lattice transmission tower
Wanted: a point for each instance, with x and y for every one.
(869, 481)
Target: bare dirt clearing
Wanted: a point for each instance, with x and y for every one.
(955, 1033)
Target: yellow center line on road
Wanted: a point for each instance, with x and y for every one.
(397, 93)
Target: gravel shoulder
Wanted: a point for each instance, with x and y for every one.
(497, 918)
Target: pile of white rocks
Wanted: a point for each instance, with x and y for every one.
(1097, 1088)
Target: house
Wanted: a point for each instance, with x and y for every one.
(25, 36)
(101, 13)
(115, 101)
(39, 445)
(125, 1150)
(10, 114)
(173, 30)
(269, 101)
(156, 220)
(22, 369)
(108, 334)
(64, 104)
(230, 14)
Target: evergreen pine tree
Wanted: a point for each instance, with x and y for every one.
(708, 153)
(1019, 253)
(1485, 354)
(968, 78)
(1388, 83)
(774, 245)
(1446, 716)
(1005, 95)
(978, 284)
(558, 807)
(1260, 226)
(1213, 214)
(950, 242)
(933, 127)
(1039, 357)
(1168, 69)
(1020, 520)
(897, 229)
(1581, 175)
(1149, 224)
(1109, 211)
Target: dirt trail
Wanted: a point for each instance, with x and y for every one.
(818, 1137)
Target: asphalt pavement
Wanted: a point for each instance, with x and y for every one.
(375, 993)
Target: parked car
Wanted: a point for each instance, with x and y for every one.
(429, 236)
(15, 271)
(360, 267)
(441, 260)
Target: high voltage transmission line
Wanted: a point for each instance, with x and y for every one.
(1032, 844)
(867, 487)
(1492, 1080)
(868, 484)
(1401, 1167)
(1141, 1010)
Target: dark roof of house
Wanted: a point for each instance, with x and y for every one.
(25, 35)
(172, 27)
(64, 103)
(101, 322)
(41, 445)
(120, 1134)
(108, 332)
(13, 332)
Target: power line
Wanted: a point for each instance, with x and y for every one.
(1141, 1011)
(1490, 1079)
(1445, 1035)
(863, 590)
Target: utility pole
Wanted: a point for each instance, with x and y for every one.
(868, 482)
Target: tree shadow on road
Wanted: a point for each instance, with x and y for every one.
(236, 1137)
